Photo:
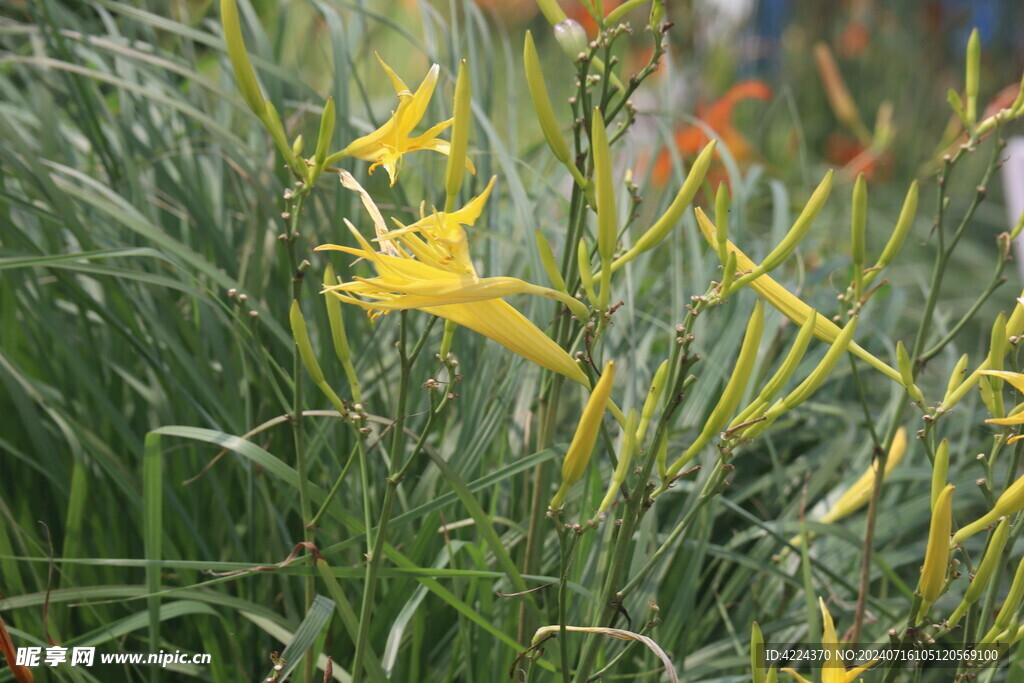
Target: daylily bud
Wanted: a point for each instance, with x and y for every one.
(899, 233)
(657, 16)
(733, 391)
(983, 575)
(757, 658)
(956, 103)
(674, 213)
(956, 378)
(626, 450)
(824, 368)
(1017, 228)
(728, 273)
(582, 445)
(907, 373)
(971, 75)
(722, 221)
(323, 138)
(547, 258)
(542, 103)
(1010, 605)
(586, 275)
(940, 470)
(835, 89)
(858, 221)
(936, 556)
(456, 168)
(859, 493)
(571, 36)
(1010, 503)
(607, 220)
(338, 336)
(653, 397)
(244, 75)
(301, 335)
(796, 233)
(297, 146)
(782, 375)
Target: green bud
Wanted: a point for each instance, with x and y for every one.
(782, 375)
(547, 258)
(757, 658)
(795, 234)
(542, 103)
(586, 274)
(733, 391)
(674, 214)
(302, 341)
(971, 75)
(1010, 605)
(657, 16)
(722, 222)
(571, 37)
(823, 369)
(956, 378)
(456, 168)
(323, 138)
(653, 397)
(899, 233)
(244, 74)
(985, 572)
(907, 373)
(626, 451)
(297, 146)
(936, 555)
(338, 336)
(858, 245)
(607, 219)
(940, 470)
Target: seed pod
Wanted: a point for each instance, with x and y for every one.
(936, 556)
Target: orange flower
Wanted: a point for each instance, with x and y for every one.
(691, 139)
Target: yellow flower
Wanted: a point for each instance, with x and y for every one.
(1016, 417)
(386, 145)
(426, 265)
(833, 670)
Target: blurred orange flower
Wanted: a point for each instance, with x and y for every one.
(690, 139)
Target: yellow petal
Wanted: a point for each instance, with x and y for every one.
(790, 305)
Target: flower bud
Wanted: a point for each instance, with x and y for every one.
(1010, 503)
(571, 37)
(244, 75)
(674, 214)
(547, 258)
(582, 445)
(456, 167)
(971, 75)
(542, 103)
(940, 470)
(936, 556)
(899, 233)
(985, 571)
(653, 397)
(858, 221)
(1010, 605)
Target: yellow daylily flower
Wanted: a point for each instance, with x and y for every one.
(833, 671)
(386, 145)
(426, 265)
